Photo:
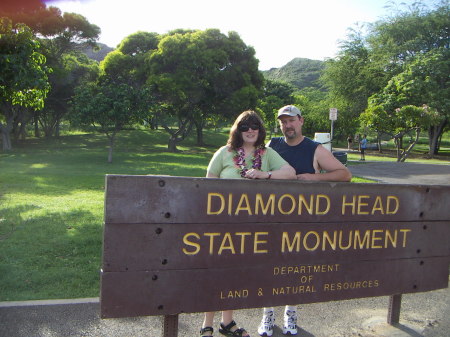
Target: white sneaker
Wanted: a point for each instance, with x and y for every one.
(266, 326)
(290, 323)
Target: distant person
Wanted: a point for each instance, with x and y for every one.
(357, 141)
(363, 146)
(244, 157)
(308, 158)
(349, 142)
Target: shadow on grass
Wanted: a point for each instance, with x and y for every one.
(79, 162)
(10, 218)
(56, 255)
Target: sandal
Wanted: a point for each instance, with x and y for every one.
(226, 330)
(206, 329)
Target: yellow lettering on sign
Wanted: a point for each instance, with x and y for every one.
(302, 202)
(190, 243)
(365, 205)
(327, 204)
(243, 205)
(257, 242)
(375, 238)
(343, 240)
(243, 293)
(316, 239)
(396, 204)
(378, 206)
(404, 232)
(243, 235)
(365, 241)
(339, 286)
(209, 210)
(350, 203)
(362, 204)
(290, 245)
(265, 208)
(227, 243)
(211, 241)
(280, 204)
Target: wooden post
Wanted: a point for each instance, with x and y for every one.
(395, 302)
(170, 326)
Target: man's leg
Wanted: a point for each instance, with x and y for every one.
(265, 328)
(290, 320)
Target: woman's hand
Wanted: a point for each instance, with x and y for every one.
(256, 174)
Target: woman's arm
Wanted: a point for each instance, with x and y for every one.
(285, 172)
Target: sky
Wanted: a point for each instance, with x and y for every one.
(278, 30)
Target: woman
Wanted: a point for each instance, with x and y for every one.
(244, 156)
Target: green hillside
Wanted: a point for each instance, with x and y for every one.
(299, 72)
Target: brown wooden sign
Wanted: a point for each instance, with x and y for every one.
(169, 241)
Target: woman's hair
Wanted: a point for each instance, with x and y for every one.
(248, 117)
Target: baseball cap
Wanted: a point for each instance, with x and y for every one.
(289, 110)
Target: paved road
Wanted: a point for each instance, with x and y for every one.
(422, 315)
(403, 173)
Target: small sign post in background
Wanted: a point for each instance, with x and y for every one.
(333, 117)
(266, 244)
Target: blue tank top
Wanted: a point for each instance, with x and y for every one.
(300, 157)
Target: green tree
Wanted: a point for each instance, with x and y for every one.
(107, 107)
(425, 82)
(196, 74)
(275, 94)
(352, 77)
(127, 64)
(63, 39)
(23, 76)
(398, 123)
(366, 64)
(414, 45)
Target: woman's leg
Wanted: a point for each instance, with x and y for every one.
(227, 317)
(208, 321)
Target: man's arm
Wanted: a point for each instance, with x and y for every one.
(334, 169)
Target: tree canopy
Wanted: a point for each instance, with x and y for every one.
(23, 76)
(403, 59)
(196, 74)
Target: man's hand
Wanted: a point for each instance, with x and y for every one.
(308, 176)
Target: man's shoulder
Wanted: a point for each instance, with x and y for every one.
(311, 142)
(276, 141)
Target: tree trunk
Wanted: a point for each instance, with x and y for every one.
(37, 134)
(6, 137)
(397, 146)
(6, 128)
(57, 128)
(199, 128)
(185, 127)
(111, 146)
(379, 143)
(172, 145)
(434, 134)
(406, 152)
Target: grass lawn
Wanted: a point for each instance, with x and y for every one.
(51, 205)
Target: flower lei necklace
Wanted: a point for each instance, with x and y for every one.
(239, 160)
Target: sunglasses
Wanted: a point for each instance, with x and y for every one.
(245, 127)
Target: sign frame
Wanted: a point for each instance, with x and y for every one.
(177, 232)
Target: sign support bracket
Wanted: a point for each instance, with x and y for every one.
(395, 303)
(170, 326)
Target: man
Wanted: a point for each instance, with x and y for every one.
(309, 159)
(363, 146)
